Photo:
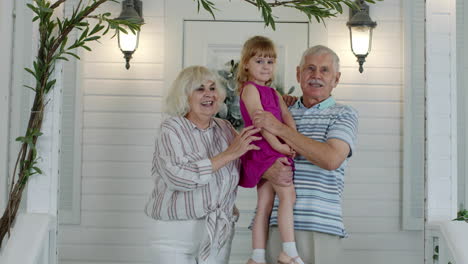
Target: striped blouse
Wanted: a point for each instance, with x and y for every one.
(186, 186)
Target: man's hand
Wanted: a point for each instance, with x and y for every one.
(280, 173)
(267, 121)
(289, 100)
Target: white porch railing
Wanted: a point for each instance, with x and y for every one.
(448, 243)
(29, 241)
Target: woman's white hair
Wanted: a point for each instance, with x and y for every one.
(189, 79)
(318, 50)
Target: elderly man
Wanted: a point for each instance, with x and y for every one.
(324, 141)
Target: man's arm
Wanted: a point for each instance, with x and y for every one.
(328, 155)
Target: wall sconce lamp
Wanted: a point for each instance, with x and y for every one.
(360, 31)
(128, 43)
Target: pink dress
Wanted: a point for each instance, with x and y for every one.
(256, 162)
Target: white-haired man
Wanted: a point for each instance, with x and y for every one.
(324, 141)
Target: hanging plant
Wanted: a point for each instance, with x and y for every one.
(53, 46)
(319, 9)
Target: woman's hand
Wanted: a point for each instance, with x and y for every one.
(243, 142)
(239, 146)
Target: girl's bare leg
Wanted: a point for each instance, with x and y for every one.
(287, 198)
(265, 198)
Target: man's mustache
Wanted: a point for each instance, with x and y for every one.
(315, 81)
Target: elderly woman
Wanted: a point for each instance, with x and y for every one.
(196, 172)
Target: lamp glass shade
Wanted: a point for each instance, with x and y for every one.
(361, 37)
(128, 42)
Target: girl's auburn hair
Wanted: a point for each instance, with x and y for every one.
(255, 46)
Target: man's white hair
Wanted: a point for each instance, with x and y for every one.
(318, 50)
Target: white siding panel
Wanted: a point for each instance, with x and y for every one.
(379, 142)
(401, 241)
(371, 208)
(117, 153)
(128, 88)
(372, 224)
(97, 236)
(377, 109)
(370, 76)
(121, 120)
(97, 253)
(137, 137)
(376, 159)
(121, 104)
(370, 125)
(372, 175)
(376, 192)
(384, 257)
(117, 71)
(119, 169)
(346, 92)
(113, 202)
(115, 219)
(116, 186)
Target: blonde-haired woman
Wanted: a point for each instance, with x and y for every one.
(196, 172)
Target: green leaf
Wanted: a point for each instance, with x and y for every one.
(62, 58)
(31, 72)
(50, 84)
(73, 54)
(29, 87)
(93, 38)
(39, 171)
(96, 29)
(86, 48)
(46, 9)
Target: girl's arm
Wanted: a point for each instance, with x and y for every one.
(251, 98)
(285, 114)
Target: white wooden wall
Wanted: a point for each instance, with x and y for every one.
(373, 183)
(119, 120)
(121, 111)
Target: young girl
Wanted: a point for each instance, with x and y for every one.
(256, 71)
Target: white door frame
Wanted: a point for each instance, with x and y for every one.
(228, 10)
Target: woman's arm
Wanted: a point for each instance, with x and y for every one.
(239, 146)
(183, 171)
(251, 98)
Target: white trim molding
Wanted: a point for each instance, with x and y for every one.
(413, 117)
(6, 30)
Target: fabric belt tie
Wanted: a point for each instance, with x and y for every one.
(225, 225)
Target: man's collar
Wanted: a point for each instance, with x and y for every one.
(330, 101)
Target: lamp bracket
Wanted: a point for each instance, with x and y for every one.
(138, 7)
(362, 7)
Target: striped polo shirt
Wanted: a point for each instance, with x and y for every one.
(319, 191)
